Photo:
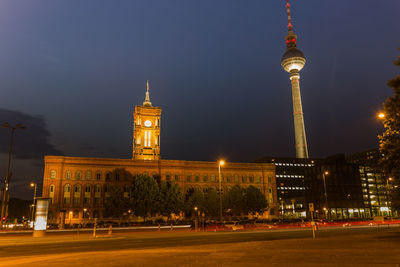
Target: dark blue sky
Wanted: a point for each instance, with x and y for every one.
(74, 70)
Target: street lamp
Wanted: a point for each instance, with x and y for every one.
(6, 196)
(220, 163)
(196, 219)
(325, 193)
(381, 115)
(388, 194)
(33, 185)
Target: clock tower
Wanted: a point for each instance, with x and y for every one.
(146, 130)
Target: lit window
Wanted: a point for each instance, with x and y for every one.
(53, 174)
(78, 175)
(98, 176)
(68, 175)
(88, 175)
(149, 138)
(145, 138)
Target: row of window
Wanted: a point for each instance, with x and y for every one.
(291, 188)
(289, 176)
(294, 164)
(189, 178)
(88, 175)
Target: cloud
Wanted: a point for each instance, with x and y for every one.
(31, 143)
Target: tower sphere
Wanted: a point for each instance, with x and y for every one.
(293, 59)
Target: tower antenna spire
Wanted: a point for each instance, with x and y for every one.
(290, 26)
(147, 102)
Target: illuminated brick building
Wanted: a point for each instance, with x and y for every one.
(78, 186)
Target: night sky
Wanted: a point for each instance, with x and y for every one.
(72, 72)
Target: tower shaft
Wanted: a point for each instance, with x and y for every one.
(299, 128)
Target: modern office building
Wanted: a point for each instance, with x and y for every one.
(376, 187)
(290, 185)
(334, 187)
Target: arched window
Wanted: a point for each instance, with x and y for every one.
(98, 176)
(88, 175)
(77, 194)
(251, 179)
(51, 188)
(97, 188)
(87, 188)
(205, 178)
(67, 194)
(108, 176)
(53, 174)
(212, 178)
(243, 179)
(77, 188)
(67, 188)
(68, 175)
(78, 175)
(117, 176)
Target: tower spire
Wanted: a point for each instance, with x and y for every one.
(291, 38)
(147, 102)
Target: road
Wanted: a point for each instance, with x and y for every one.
(333, 246)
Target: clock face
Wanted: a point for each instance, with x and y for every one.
(147, 123)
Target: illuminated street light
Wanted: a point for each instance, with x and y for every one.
(6, 193)
(389, 179)
(325, 193)
(220, 163)
(381, 115)
(33, 185)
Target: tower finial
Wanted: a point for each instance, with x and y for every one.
(291, 38)
(290, 26)
(147, 102)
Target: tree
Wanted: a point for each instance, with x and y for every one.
(144, 196)
(255, 200)
(194, 198)
(115, 204)
(211, 203)
(170, 199)
(390, 139)
(234, 201)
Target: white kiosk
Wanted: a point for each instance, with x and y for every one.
(42, 211)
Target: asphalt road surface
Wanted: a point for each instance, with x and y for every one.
(334, 246)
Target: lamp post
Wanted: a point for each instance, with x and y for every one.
(195, 220)
(387, 196)
(33, 185)
(6, 196)
(220, 163)
(325, 193)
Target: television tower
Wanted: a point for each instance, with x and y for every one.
(293, 61)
